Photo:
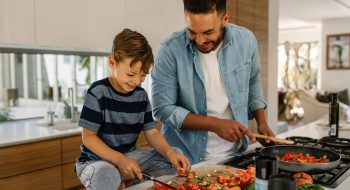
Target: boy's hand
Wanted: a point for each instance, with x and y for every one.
(178, 160)
(129, 168)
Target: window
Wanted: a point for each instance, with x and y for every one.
(297, 65)
(45, 74)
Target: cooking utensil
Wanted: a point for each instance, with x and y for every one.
(274, 139)
(280, 150)
(148, 177)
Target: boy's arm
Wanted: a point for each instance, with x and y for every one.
(97, 146)
(128, 167)
(158, 142)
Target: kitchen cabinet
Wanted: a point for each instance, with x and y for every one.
(17, 23)
(40, 165)
(60, 23)
(102, 27)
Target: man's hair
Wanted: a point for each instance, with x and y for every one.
(204, 6)
(131, 44)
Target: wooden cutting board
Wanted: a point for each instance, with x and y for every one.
(212, 169)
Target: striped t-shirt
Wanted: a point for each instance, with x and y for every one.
(118, 118)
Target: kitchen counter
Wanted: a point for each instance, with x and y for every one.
(15, 133)
(314, 130)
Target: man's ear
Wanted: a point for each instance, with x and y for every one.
(226, 17)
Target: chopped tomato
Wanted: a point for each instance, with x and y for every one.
(300, 158)
(181, 187)
(235, 181)
(193, 186)
(190, 176)
(303, 178)
(232, 188)
(182, 173)
(251, 170)
(244, 179)
(223, 179)
(212, 188)
(158, 186)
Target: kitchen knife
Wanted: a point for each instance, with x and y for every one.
(148, 177)
(274, 139)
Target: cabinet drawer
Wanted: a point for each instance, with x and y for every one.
(71, 148)
(24, 158)
(45, 179)
(70, 178)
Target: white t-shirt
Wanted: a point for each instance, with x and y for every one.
(217, 103)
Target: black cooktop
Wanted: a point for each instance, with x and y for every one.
(329, 179)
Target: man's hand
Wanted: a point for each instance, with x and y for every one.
(264, 129)
(231, 130)
(129, 168)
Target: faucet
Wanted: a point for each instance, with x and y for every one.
(72, 108)
(50, 116)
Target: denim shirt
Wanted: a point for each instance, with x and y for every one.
(178, 86)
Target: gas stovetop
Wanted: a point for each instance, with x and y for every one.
(329, 179)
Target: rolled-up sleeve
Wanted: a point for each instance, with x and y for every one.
(165, 89)
(255, 99)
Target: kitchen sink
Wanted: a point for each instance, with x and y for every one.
(59, 125)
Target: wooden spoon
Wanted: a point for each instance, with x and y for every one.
(274, 139)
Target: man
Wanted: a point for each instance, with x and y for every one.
(206, 84)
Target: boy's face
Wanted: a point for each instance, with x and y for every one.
(206, 30)
(126, 78)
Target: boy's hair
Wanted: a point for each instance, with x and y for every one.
(204, 6)
(131, 44)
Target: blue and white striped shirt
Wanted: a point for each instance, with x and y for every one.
(118, 118)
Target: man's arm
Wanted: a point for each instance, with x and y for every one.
(256, 102)
(227, 129)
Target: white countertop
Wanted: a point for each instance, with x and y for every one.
(313, 130)
(26, 131)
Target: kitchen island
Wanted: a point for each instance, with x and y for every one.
(314, 130)
(33, 156)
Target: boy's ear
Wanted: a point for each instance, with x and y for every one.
(111, 61)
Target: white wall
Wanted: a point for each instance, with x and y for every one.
(86, 23)
(299, 35)
(334, 80)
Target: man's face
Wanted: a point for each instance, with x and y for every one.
(206, 30)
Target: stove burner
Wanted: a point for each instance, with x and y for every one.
(336, 142)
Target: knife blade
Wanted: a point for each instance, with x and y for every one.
(148, 177)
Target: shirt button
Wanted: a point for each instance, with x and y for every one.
(204, 138)
(201, 158)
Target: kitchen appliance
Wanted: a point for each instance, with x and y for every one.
(330, 179)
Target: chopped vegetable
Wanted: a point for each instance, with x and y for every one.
(300, 158)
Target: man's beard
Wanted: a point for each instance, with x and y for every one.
(214, 44)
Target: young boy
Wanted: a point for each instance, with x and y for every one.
(115, 111)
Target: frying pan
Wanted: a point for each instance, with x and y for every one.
(281, 150)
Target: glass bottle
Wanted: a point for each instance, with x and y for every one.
(334, 116)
